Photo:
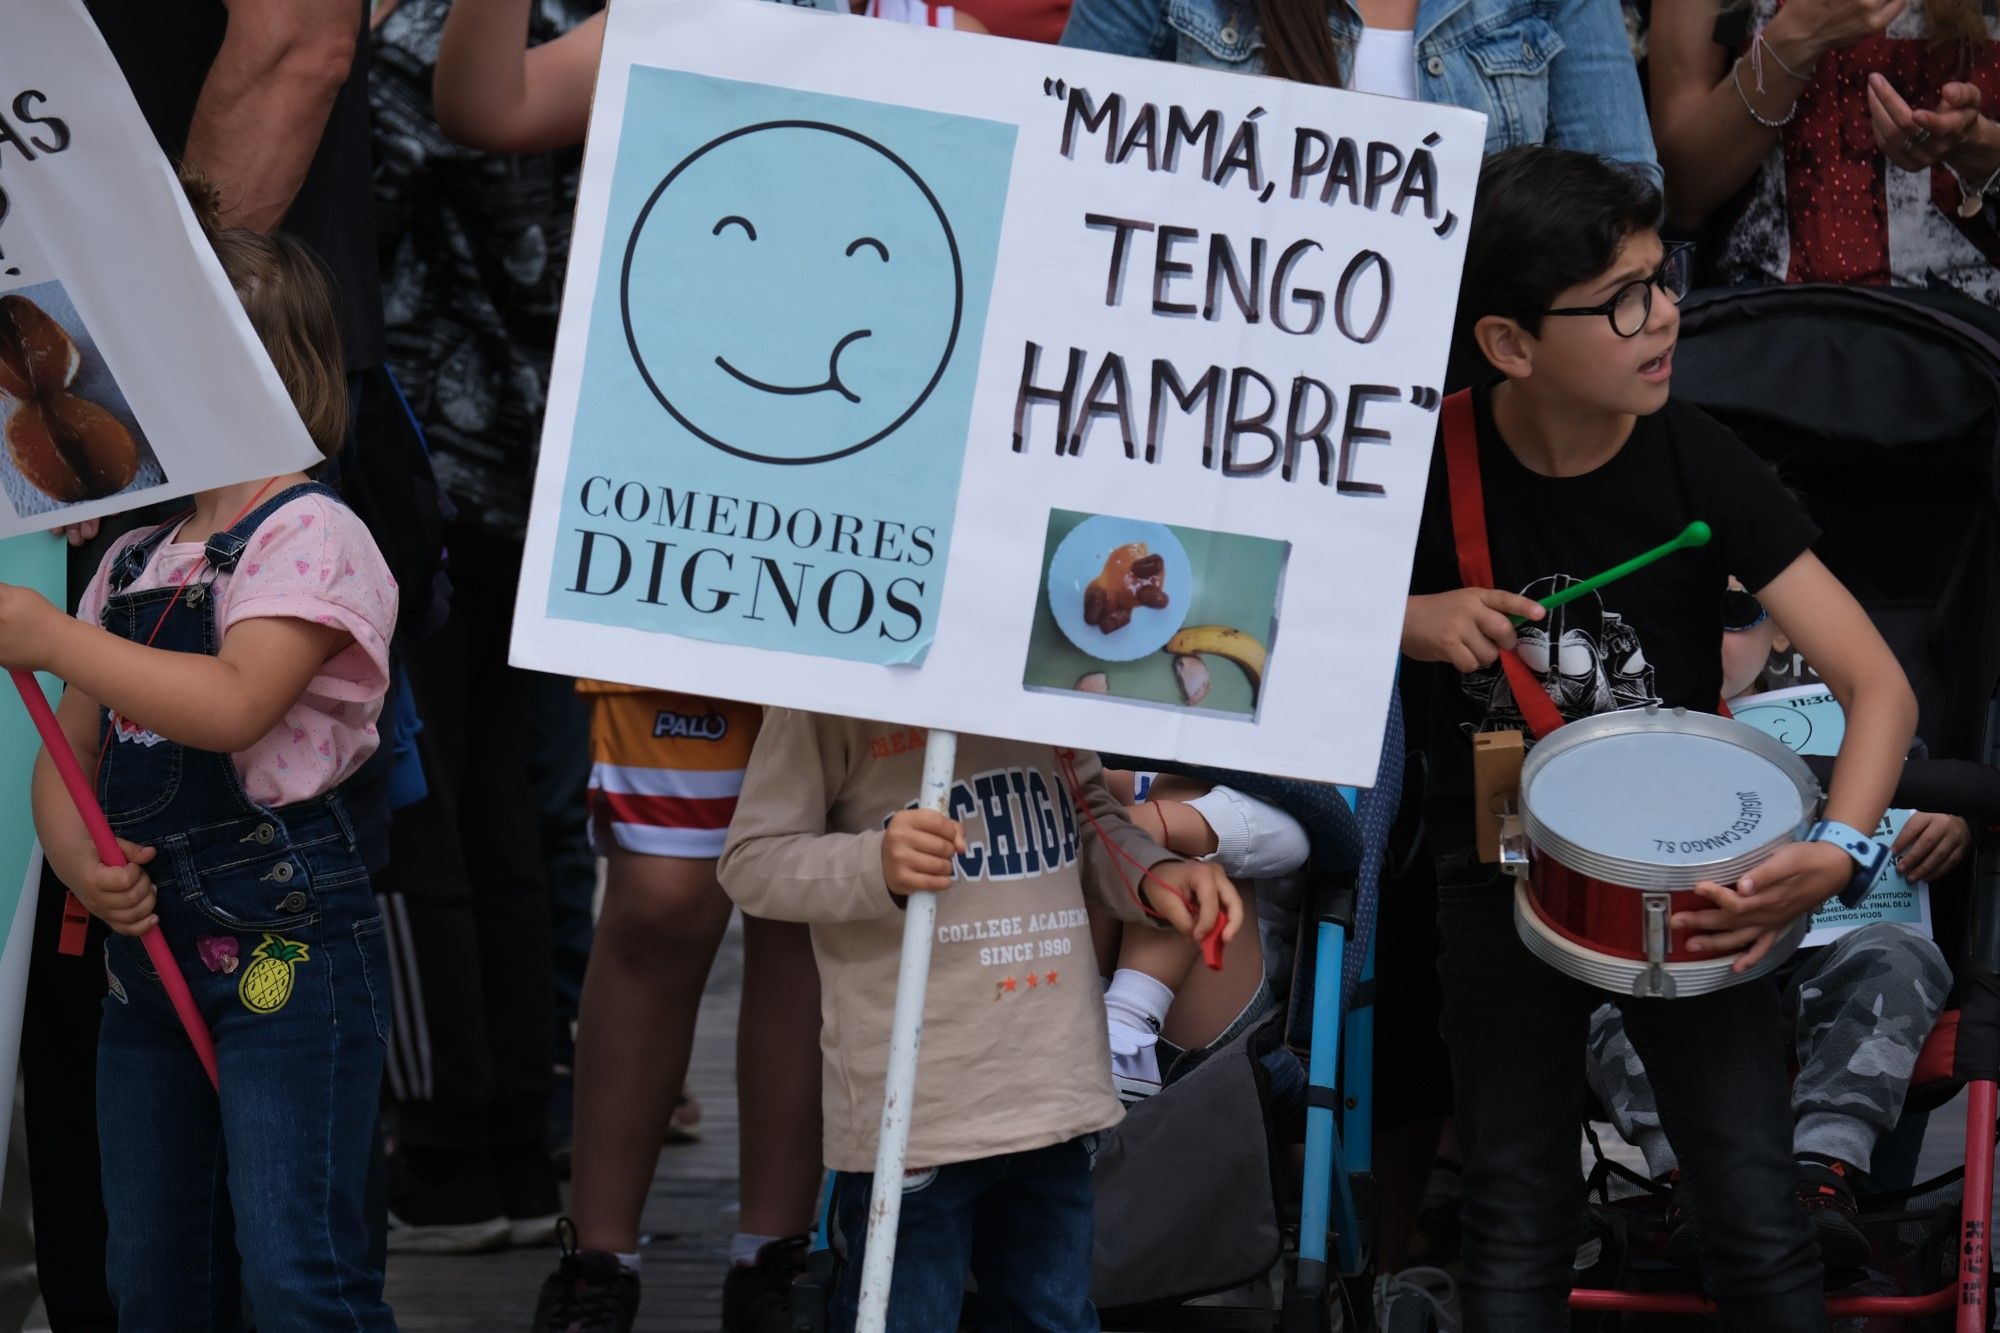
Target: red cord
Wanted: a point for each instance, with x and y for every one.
(1211, 943)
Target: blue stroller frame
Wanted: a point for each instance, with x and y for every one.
(1336, 1199)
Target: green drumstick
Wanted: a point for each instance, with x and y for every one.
(1696, 533)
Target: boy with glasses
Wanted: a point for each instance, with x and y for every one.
(1569, 462)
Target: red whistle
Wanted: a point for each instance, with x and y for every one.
(1211, 945)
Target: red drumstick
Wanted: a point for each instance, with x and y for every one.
(111, 854)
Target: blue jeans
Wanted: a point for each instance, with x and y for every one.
(1022, 1221)
(263, 1190)
(1516, 1028)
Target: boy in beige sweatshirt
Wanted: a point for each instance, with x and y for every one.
(1014, 1077)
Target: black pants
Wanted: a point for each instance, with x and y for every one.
(559, 764)
(1516, 1028)
(59, 1081)
(466, 893)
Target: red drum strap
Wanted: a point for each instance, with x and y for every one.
(1475, 556)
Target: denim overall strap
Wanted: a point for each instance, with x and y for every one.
(224, 549)
(152, 787)
(132, 561)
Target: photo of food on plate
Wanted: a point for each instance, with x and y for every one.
(69, 435)
(1155, 613)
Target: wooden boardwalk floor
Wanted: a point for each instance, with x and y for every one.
(691, 1212)
(690, 1215)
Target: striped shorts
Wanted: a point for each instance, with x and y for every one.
(665, 769)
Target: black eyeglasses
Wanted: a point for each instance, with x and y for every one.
(1632, 305)
(1741, 610)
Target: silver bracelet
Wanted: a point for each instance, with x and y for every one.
(1736, 77)
(1761, 40)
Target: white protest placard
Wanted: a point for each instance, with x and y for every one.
(994, 387)
(128, 372)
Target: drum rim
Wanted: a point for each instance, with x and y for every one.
(1609, 972)
(1647, 876)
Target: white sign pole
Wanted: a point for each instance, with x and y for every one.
(906, 1035)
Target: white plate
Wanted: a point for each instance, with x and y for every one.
(1080, 559)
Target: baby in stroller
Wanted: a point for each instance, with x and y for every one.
(1859, 1009)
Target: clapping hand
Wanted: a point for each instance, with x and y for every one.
(1919, 140)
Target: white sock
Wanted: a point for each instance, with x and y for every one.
(1137, 1000)
(629, 1262)
(743, 1248)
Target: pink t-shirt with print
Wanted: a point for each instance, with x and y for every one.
(311, 560)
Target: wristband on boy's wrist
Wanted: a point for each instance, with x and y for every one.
(1867, 854)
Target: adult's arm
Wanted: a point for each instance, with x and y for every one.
(264, 105)
(1121, 28)
(1594, 100)
(494, 92)
(1710, 145)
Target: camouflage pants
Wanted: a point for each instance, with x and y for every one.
(1859, 1008)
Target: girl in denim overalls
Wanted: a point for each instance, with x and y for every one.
(224, 674)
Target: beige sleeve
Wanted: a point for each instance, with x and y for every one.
(780, 862)
(1106, 878)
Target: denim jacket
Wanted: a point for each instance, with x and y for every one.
(1544, 71)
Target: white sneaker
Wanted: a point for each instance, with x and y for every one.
(1135, 1064)
(494, 1233)
(1136, 1077)
(1429, 1286)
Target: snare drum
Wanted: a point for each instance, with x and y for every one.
(1620, 815)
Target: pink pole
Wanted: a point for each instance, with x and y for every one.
(109, 852)
(1976, 1247)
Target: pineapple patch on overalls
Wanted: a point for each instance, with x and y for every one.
(266, 986)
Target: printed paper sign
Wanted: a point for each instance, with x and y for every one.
(128, 373)
(1001, 388)
(1893, 898)
(1810, 720)
(1805, 718)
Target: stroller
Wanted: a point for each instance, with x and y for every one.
(1313, 1220)
(1906, 487)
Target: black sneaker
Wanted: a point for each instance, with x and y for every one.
(590, 1292)
(1683, 1240)
(444, 1203)
(527, 1181)
(757, 1297)
(1829, 1203)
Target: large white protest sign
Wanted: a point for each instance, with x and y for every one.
(994, 387)
(128, 372)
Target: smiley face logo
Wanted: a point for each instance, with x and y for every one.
(792, 292)
(1789, 726)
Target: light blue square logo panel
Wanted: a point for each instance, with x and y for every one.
(781, 362)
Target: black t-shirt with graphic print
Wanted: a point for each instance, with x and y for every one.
(1652, 637)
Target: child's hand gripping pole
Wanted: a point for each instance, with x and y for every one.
(108, 851)
(906, 1034)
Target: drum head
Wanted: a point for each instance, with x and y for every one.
(1663, 800)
